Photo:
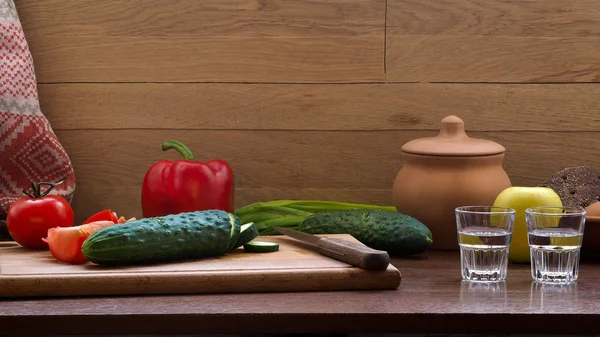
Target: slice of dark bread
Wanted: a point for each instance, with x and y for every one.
(576, 186)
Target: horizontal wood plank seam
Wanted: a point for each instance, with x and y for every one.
(230, 82)
(322, 130)
(524, 83)
(319, 83)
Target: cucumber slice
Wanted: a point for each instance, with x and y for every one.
(234, 232)
(248, 232)
(261, 247)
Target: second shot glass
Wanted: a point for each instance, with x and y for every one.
(555, 238)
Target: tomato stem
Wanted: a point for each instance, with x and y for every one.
(27, 194)
(37, 189)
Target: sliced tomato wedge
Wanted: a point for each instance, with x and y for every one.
(65, 242)
(106, 214)
(122, 219)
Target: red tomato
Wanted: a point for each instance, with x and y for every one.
(65, 242)
(29, 219)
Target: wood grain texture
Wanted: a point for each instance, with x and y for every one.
(314, 41)
(485, 107)
(484, 58)
(192, 18)
(264, 41)
(496, 18)
(351, 165)
(295, 267)
(206, 59)
(493, 41)
(426, 302)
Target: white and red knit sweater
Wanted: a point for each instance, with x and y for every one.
(29, 149)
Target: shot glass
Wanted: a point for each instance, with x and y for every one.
(555, 237)
(484, 236)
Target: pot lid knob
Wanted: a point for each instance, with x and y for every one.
(452, 140)
(452, 126)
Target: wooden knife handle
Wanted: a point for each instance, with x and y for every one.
(354, 254)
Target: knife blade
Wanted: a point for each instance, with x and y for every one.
(352, 253)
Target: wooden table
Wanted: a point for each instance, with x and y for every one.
(431, 299)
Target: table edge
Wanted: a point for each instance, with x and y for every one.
(413, 323)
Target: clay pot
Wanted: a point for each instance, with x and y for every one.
(591, 235)
(444, 172)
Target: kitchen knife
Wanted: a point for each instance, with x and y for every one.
(352, 253)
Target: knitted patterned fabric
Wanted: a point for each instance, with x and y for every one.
(29, 149)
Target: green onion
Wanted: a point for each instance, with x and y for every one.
(291, 213)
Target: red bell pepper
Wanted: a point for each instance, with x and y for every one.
(185, 185)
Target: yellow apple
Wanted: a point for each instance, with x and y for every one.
(520, 198)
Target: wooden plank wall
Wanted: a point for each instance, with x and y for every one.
(311, 98)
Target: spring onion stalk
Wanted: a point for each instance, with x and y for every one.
(291, 213)
(258, 216)
(284, 221)
(311, 206)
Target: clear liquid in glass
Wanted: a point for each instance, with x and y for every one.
(484, 253)
(555, 254)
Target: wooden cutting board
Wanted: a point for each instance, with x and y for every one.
(295, 267)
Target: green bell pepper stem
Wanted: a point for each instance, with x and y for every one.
(180, 147)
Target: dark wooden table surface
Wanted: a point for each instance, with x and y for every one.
(431, 299)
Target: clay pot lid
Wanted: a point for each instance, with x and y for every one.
(453, 141)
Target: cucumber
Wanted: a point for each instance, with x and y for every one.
(248, 232)
(396, 233)
(167, 238)
(261, 247)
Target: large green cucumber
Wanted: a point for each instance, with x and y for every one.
(161, 239)
(396, 233)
